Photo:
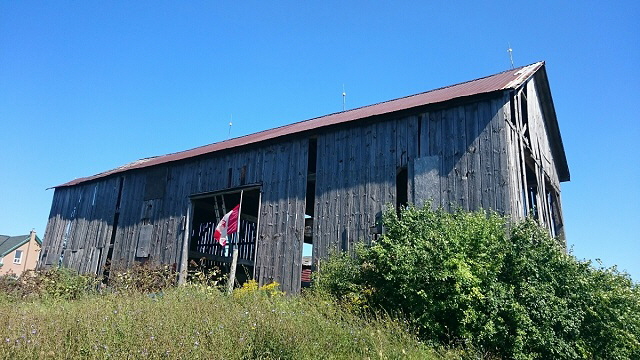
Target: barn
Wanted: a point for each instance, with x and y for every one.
(491, 143)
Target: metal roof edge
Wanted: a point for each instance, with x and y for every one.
(523, 74)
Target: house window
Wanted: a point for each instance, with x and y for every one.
(18, 257)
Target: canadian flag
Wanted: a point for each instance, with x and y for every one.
(228, 225)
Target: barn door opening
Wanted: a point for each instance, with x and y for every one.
(309, 214)
(208, 209)
(402, 188)
(106, 269)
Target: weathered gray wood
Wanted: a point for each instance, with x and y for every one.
(234, 265)
(413, 140)
(144, 240)
(427, 180)
(360, 178)
(218, 258)
(95, 260)
(473, 157)
(515, 191)
(50, 236)
(497, 143)
(449, 152)
(487, 181)
(412, 137)
(256, 271)
(461, 160)
(268, 229)
(436, 148)
(402, 141)
(184, 255)
(391, 166)
(280, 238)
(521, 155)
(463, 154)
(425, 137)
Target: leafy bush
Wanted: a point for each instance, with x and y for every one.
(472, 280)
(56, 283)
(341, 278)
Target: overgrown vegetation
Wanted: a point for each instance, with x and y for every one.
(469, 280)
(139, 316)
(55, 283)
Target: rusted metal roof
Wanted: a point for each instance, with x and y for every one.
(510, 79)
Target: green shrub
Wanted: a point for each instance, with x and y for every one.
(611, 322)
(340, 278)
(54, 283)
(472, 280)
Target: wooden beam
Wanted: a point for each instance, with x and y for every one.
(225, 259)
(184, 255)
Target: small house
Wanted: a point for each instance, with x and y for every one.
(19, 253)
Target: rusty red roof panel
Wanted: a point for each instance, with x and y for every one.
(505, 80)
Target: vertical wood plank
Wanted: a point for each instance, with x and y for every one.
(461, 157)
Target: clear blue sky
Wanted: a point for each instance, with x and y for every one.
(88, 86)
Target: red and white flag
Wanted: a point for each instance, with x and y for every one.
(228, 225)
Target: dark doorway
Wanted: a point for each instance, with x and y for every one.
(309, 215)
(402, 188)
(205, 253)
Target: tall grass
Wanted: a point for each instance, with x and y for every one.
(198, 322)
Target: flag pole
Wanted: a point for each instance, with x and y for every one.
(234, 256)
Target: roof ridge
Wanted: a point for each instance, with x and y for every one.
(461, 83)
(331, 114)
(401, 103)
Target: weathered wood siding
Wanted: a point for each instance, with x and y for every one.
(281, 230)
(456, 158)
(356, 173)
(465, 155)
(80, 227)
(528, 143)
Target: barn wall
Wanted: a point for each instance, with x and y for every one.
(466, 145)
(80, 227)
(528, 146)
(456, 157)
(281, 230)
(355, 178)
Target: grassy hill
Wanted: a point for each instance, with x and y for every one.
(198, 322)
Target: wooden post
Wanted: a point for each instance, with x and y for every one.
(234, 264)
(234, 256)
(182, 275)
(255, 247)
